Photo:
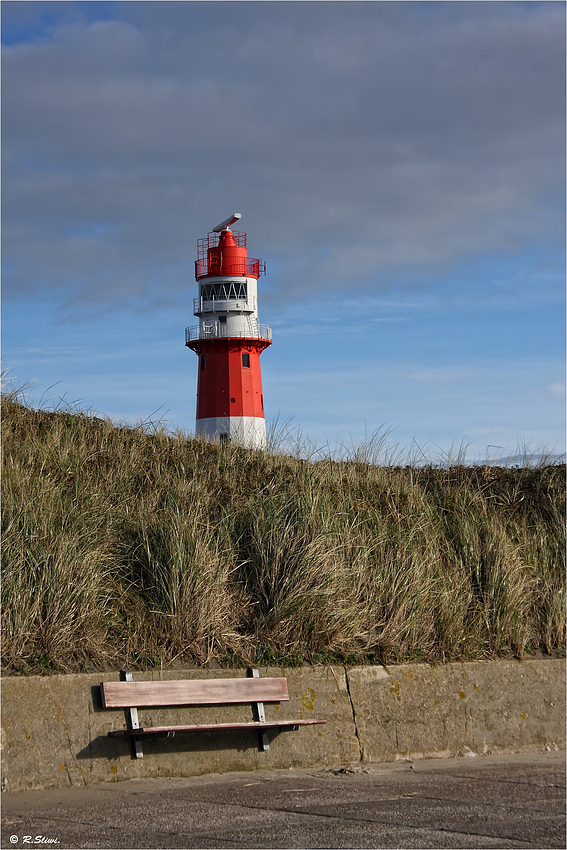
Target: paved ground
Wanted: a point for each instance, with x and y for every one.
(511, 801)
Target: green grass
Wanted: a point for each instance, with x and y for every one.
(129, 546)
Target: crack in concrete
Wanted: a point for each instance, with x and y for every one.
(387, 821)
(360, 750)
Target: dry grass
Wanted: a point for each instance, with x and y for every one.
(129, 546)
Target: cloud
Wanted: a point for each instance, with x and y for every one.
(363, 142)
(558, 390)
(442, 375)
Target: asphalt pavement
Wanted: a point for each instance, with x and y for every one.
(492, 802)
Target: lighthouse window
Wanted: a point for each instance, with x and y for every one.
(246, 361)
(222, 320)
(203, 361)
(228, 291)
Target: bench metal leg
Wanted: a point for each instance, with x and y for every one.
(259, 713)
(132, 720)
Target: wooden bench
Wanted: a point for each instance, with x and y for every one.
(132, 696)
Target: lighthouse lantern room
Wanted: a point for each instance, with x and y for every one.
(228, 339)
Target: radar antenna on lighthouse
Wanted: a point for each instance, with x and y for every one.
(224, 225)
(228, 339)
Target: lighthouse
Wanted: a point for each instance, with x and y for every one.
(228, 339)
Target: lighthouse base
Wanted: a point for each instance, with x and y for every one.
(245, 430)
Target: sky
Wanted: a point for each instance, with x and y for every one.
(399, 166)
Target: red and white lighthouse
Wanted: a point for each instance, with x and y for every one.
(228, 339)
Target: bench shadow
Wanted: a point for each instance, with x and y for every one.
(104, 747)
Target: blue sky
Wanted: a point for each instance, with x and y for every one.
(399, 166)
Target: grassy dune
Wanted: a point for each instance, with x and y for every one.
(129, 546)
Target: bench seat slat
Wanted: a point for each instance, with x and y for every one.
(193, 692)
(214, 727)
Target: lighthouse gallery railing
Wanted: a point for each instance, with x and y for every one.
(215, 305)
(216, 331)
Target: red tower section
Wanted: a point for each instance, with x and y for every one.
(228, 339)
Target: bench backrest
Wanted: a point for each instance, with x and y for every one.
(193, 692)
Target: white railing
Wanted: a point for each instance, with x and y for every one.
(216, 330)
(220, 305)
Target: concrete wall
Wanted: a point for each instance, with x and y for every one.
(54, 728)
